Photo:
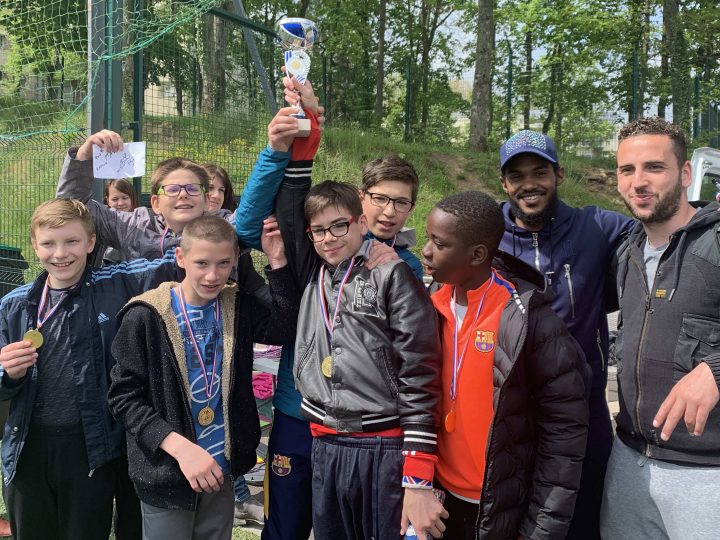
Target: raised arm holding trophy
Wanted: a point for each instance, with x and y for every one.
(297, 36)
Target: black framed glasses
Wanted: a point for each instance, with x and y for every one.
(317, 234)
(173, 190)
(402, 206)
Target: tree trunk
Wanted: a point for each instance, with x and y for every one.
(644, 54)
(555, 83)
(208, 66)
(480, 109)
(527, 79)
(560, 89)
(220, 59)
(380, 77)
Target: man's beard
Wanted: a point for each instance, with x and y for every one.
(537, 219)
(666, 207)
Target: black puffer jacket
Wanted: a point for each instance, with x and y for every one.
(537, 438)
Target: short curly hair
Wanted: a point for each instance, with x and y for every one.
(479, 218)
(654, 125)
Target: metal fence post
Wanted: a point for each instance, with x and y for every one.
(96, 75)
(259, 66)
(113, 117)
(138, 86)
(508, 102)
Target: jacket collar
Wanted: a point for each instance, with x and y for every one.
(708, 213)
(35, 292)
(405, 238)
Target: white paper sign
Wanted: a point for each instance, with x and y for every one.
(127, 163)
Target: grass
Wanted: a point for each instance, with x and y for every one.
(29, 168)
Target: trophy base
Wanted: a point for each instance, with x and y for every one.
(303, 127)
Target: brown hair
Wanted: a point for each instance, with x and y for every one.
(57, 213)
(216, 171)
(657, 126)
(211, 228)
(391, 168)
(173, 164)
(330, 193)
(123, 186)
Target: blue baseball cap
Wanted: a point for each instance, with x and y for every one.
(526, 141)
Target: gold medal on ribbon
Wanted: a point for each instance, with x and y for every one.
(450, 421)
(206, 416)
(34, 337)
(326, 366)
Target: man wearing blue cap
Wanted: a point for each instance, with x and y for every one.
(573, 249)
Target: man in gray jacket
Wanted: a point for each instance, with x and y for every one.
(662, 479)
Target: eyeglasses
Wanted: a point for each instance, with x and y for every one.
(402, 206)
(336, 229)
(173, 190)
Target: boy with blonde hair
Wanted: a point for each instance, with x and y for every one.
(61, 445)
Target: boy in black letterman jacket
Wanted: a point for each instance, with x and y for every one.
(181, 474)
(367, 365)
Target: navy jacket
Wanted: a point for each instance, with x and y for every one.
(92, 308)
(574, 252)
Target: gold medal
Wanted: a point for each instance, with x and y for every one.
(206, 416)
(326, 366)
(34, 337)
(450, 421)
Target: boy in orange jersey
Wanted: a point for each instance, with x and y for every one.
(514, 410)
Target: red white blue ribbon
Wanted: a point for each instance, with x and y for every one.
(43, 300)
(330, 323)
(208, 386)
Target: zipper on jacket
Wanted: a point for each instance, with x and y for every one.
(602, 356)
(641, 342)
(536, 245)
(568, 276)
(491, 434)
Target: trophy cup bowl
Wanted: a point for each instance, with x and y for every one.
(296, 33)
(296, 36)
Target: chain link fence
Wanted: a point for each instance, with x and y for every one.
(178, 75)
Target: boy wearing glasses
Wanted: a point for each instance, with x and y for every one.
(179, 188)
(368, 376)
(388, 192)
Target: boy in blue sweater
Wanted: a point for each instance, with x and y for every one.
(61, 446)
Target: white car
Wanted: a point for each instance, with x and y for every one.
(705, 184)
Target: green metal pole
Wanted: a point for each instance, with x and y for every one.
(635, 84)
(324, 83)
(696, 108)
(138, 86)
(509, 91)
(408, 98)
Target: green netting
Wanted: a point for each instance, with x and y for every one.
(198, 96)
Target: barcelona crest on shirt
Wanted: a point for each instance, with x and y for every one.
(484, 340)
(281, 465)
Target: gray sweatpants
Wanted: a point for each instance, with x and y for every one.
(649, 499)
(212, 520)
